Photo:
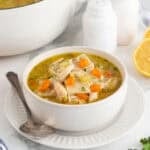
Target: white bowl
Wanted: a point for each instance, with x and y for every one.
(27, 28)
(76, 117)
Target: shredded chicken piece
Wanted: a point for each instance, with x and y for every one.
(78, 88)
(93, 96)
(73, 99)
(110, 83)
(61, 69)
(60, 90)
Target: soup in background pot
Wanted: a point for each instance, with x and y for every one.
(4, 4)
(74, 78)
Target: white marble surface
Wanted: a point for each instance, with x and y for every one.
(72, 36)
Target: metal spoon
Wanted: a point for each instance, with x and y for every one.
(32, 127)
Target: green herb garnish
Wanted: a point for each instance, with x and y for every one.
(83, 88)
(146, 143)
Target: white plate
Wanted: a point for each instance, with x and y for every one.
(130, 115)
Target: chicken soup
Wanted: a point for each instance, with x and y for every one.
(74, 78)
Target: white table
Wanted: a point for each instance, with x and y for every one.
(17, 63)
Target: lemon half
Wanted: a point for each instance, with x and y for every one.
(142, 58)
(147, 33)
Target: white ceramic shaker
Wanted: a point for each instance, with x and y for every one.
(100, 25)
(127, 12)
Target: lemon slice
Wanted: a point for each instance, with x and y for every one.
(142, 58)
(147, 33)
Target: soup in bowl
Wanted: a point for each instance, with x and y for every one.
(74, 78)
(75, 88)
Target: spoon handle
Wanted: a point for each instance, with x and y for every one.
(13, 79)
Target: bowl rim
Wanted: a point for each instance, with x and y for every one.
(16, 8)
(105, 100)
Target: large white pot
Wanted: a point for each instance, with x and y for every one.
(30, 27)
(76, 117)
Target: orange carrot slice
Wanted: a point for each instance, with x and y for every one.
(96, 72)
(83, 96)
(44, 85)
(108, 74)
(70, 81)
(83, 63)
(95, 88)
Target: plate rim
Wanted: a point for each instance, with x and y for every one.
(130, 79)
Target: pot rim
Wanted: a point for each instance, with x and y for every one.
(20, 7)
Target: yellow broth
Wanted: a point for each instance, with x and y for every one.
(41, 71)
(4, 4)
